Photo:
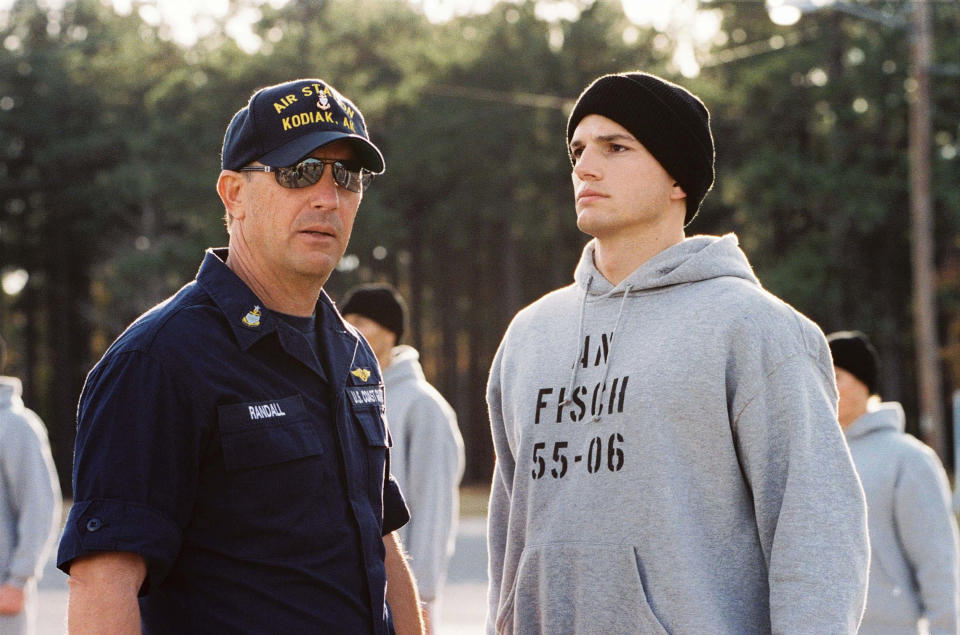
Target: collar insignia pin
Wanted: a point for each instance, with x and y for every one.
(252, 318)
(361, 373)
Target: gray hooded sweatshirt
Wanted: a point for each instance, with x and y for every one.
(668, 459)
(913, 534)
(29, 501)
(427, 461)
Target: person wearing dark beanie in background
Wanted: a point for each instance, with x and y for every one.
(668, 457)
(913, 533)
(427, 454)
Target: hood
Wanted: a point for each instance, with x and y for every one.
(886, 416)
(692, 260)
(10, 392)
(404, 365)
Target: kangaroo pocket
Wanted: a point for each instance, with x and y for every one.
(578, 588)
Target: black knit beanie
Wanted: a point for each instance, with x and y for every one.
(853, 352)
(670, 121)
(380, 302)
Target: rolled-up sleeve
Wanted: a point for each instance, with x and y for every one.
(136, 464)
(395, 512)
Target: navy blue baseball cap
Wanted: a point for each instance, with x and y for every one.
(281, 124)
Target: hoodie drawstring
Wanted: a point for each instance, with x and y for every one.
(568, 395)
(576, 362)
(613, 337)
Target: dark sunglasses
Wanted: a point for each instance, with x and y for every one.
(347, 174)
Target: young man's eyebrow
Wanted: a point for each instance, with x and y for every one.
(617, 136)
(606, 138)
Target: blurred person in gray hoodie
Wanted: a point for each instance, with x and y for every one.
(668, 457)
(427, 455)
(913, 532)
(29, 506)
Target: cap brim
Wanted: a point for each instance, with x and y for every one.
(368, 154)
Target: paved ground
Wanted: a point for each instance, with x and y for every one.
(465, 595)
(462, 612)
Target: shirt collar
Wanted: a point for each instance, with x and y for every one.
(249, 319)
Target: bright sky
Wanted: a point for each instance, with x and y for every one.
(190, 20)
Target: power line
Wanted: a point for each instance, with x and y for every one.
(760, 47)
(530, 100)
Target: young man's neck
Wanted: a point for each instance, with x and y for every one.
(617, 256)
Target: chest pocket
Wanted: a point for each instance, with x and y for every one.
(267, 432)
(367, 406)
(373, 427)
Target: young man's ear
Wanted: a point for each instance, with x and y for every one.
(230, 188)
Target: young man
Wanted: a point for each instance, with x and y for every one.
(668, 454)
(232, 462)
(427, 447)
(913, 532)
(29, 506)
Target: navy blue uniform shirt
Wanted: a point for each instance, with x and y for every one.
(252, 476)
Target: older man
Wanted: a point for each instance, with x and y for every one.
(232, 461)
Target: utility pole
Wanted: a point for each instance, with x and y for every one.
(920, 25)
(921, 214)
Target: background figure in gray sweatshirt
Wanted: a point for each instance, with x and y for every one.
(668, 453)
(427, 455)
(913, 533)
(29, 506)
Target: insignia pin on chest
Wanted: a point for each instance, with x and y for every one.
(362, 373)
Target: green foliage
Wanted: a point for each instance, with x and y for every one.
(815, 174)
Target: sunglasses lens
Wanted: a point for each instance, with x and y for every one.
(300, 175)
(309, 173)
(348, 179)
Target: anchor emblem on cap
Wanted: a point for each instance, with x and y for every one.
(323, 102)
